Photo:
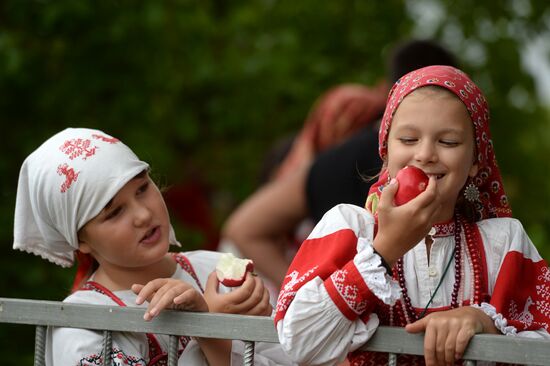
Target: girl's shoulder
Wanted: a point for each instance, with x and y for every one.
(501, 224)
(500, 231)
(345, 216)
(501, 235)
(199, 258)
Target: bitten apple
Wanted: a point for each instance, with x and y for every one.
(231, 271)
(412, 182)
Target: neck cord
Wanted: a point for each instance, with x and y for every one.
(438, 286)
(408, 310)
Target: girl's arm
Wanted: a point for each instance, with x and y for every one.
(519, 280)
(216, 351)
(325, 306)
(315, 332)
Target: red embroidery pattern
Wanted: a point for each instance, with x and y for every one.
(187, 267)
(290, 288)
(111, 140)
(70, 176)
(78, 147)
(348, 292)
(118, 357)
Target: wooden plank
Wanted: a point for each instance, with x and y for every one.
(483, 347)
(99, 317)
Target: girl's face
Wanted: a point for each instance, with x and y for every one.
(132, 231)
(432, 130)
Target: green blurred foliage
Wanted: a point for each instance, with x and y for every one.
(205, 87)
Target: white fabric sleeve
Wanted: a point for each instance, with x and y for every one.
(315, 332)
(502, 324)
(374, 274)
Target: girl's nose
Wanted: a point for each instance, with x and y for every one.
(426, 152)
(142, 215)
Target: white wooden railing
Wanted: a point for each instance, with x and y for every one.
(250, 329)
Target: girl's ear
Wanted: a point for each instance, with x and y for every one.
(83, 246)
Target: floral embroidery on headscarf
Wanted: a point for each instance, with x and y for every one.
(493, 200)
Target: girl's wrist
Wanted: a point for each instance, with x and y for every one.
(383, 262)
(385, 251)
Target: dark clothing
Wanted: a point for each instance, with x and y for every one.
(341, 174)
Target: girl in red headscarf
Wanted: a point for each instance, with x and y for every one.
(450, 262)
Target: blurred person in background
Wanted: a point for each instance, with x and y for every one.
(326, 165)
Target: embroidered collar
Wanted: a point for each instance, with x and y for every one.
(443, 229)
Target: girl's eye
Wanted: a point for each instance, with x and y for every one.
(113, 213)
(449, 143)
(143, 187)
(408, 140)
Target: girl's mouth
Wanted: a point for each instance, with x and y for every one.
(151, 236)
(437, 176)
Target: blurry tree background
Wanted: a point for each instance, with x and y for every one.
(203, 88)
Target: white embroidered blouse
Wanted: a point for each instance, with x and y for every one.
(69, 346)
(322, 321)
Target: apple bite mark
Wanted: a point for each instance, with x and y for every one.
(231, 271)
(412, 182)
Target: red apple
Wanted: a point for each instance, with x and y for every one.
(231, 271)
(412, 182)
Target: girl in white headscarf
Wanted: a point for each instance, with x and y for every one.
(85, 194)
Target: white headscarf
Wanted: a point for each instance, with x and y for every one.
(65, 183)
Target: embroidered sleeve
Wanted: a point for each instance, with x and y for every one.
(327, 254)
(357, 286)
(324, 307)
(521, 293)
(314, 330)
(375, 276)
(500, 322)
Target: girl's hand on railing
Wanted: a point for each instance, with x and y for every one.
(251, 298)
(447, 333)
(168, 293)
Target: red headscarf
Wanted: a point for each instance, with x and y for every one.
(492, 198)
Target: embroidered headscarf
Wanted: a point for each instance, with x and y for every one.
(493, 201)
(65, 183)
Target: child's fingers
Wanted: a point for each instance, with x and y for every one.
(441, 346)
(263, 307)
(462, 339)
(242, 293)
(164, 298)
(388, 193)
(429, 195)
(430, 339)
(185, 299)
(254, 299)
(136, 288)
(450, 348)
(190, 300)
(212, 283)
(147, 291)
(416, 327)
